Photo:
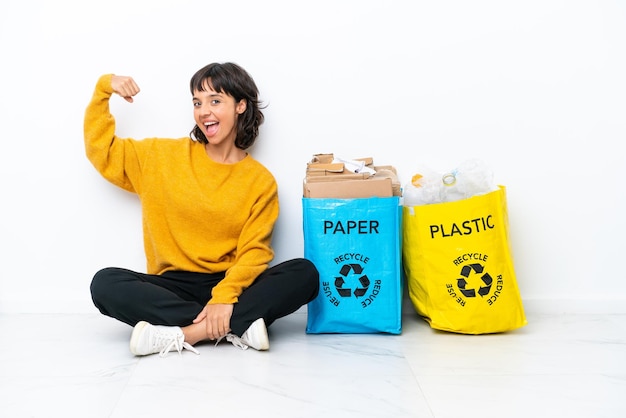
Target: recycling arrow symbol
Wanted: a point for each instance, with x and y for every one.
(349, 270)
(465, 274)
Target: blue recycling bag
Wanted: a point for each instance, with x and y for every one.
(356, 246)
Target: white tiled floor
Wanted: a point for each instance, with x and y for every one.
(80, 366)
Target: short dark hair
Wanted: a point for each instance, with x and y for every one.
(231, 79)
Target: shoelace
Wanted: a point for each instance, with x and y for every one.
(234, 340)
(178, 343)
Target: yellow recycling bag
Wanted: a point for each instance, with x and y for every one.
(459, 267)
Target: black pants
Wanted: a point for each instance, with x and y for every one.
(175, 298)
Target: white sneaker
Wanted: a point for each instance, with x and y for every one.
(255, 337)
(150, 339)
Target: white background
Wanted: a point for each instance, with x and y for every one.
(536, 89)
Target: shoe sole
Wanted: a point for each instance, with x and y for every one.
(135, 337)
(265, 342)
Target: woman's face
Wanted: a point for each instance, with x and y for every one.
(216, 114)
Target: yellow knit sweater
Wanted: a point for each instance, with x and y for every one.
(198, 215)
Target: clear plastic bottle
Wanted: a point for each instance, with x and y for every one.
(470, 178)
(423, 189)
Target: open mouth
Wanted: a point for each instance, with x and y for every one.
(211, 128)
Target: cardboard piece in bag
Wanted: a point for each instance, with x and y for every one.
(326, 178)
(348, 189)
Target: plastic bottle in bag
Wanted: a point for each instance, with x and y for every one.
(423, 189)
(470, 178)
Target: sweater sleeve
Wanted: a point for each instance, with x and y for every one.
(254, 251)
(115, 159)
